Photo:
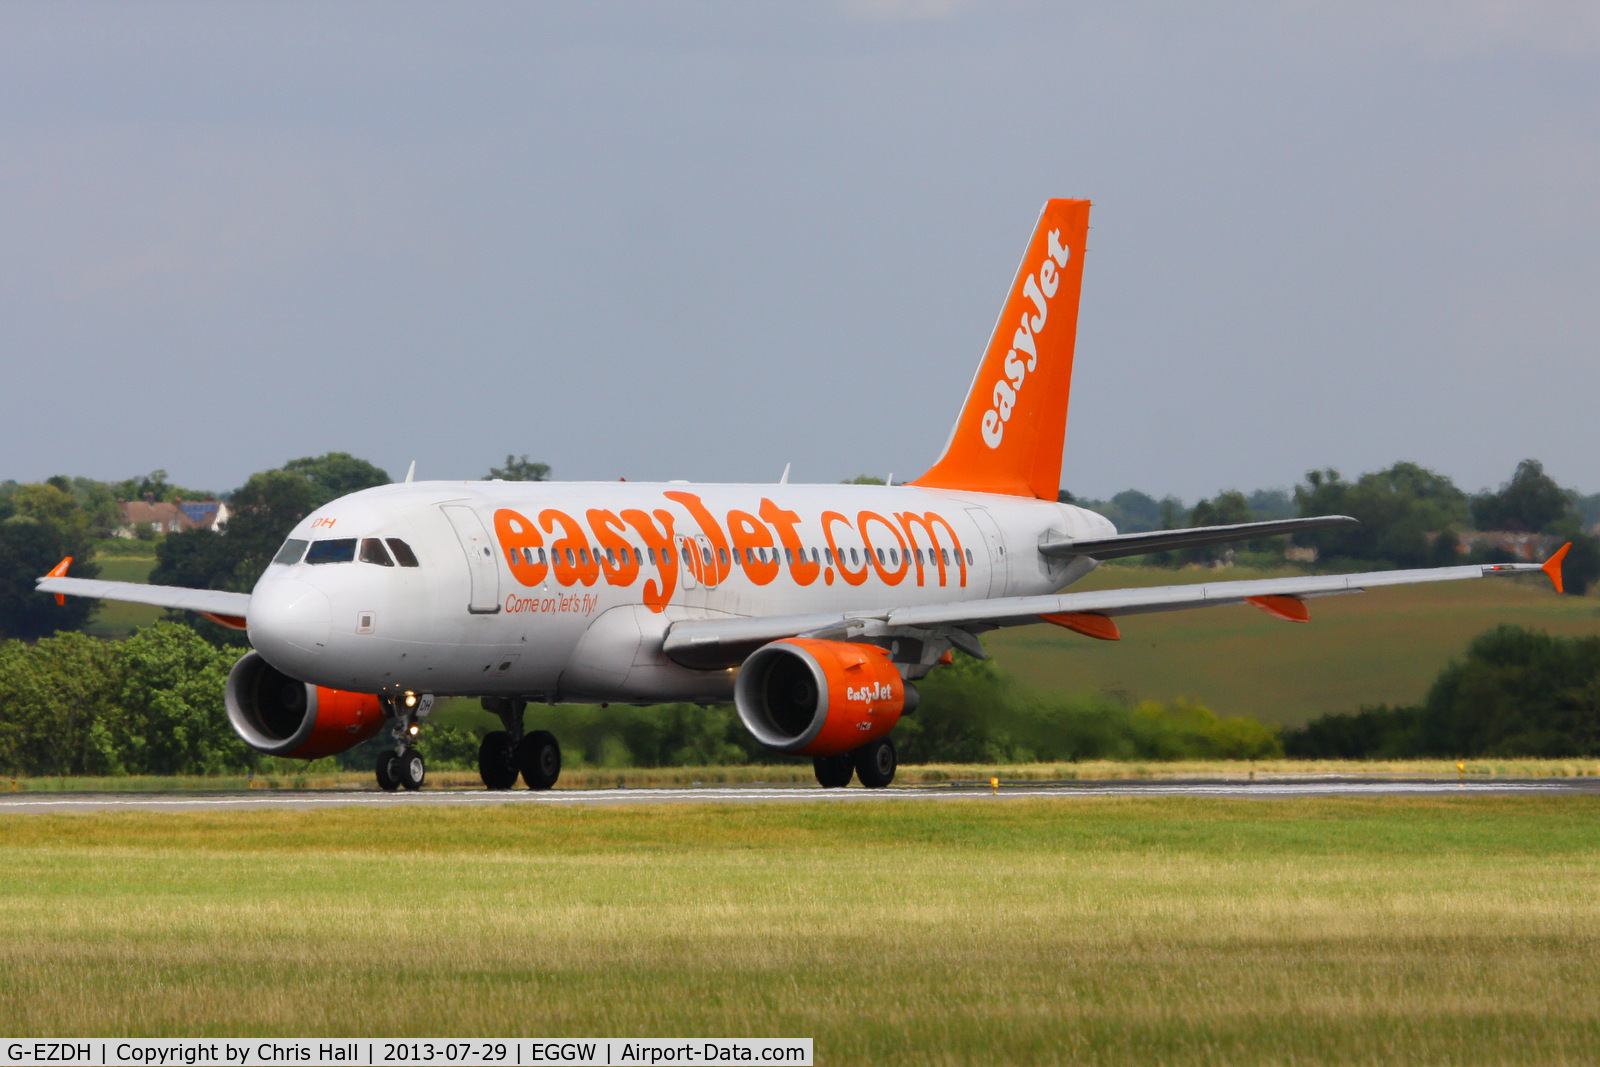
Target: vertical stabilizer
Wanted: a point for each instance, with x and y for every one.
(1009, 435)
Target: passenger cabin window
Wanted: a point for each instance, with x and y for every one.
(337, 550)
(372, 552)
(402, 553)
(291, 551)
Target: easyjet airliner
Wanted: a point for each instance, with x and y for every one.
(814, 608)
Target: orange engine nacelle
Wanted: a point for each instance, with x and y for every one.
(820, 698)
(281, 716)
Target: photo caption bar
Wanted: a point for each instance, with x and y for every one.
(379, 1052)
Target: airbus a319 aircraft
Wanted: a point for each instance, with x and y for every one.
(814, 608)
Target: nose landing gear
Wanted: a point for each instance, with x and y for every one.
(404, 766)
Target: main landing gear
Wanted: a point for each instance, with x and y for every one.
(507, 753)
(874, 763)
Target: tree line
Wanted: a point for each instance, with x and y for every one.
(1517, 692)
(1409, 517)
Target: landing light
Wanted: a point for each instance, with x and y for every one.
(413, 730)
(411, 699)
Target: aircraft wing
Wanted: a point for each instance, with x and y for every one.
(227, 608)
(1138, 544)
(697, 641)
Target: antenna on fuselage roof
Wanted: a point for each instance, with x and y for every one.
(411, 472)
(889, 480)
(785, 479)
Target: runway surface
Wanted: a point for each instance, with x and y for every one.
(1262, 789)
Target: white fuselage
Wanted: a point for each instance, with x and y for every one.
(494, 607)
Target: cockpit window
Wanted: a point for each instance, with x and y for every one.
(402, 553)
(338, 550)
(372, 552)
(291, 551)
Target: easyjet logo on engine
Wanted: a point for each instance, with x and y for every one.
(875, 691)
(1038, 288)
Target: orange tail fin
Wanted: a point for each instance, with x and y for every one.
(1009, 435)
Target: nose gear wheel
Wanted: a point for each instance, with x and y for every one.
(387, 780)
(410, 768)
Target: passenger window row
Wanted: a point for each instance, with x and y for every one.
(891, 557)
(371, 550)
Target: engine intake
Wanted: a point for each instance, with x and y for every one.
(820, 698)
(282, 716)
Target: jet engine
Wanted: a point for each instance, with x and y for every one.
(820, 698)
(281, 716)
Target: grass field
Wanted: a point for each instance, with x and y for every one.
(1460, 930)
(115, 620)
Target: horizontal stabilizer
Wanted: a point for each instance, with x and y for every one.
(1137, 544)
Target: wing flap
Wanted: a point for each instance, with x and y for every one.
(1138, 544)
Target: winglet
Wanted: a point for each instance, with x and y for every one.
(60, 571)
(1552, 566)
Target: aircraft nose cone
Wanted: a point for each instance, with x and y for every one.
(289, 622)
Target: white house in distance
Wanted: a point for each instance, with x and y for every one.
(164, 517)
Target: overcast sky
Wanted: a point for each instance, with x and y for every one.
(703, 241)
